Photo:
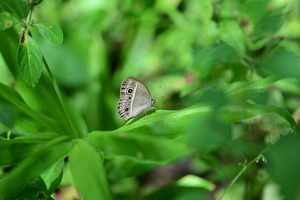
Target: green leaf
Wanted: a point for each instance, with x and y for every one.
(237, 113)
(169, 124)
(178, 193)
(7, 20)
(231, 34)
(17, 7)
(39, 161)
(51, 32)
(87, 167)
(143, 147)
(43, 98)
(128, 166)
(270, 23)
(14, 151)
(208, 133)
(254, 9)
(52, 176)
(33, 190)
(133, 154)
(7, 115)
(285, 163)
(283, 63)
(207, 57)
(29, 60)
(251, 89)
(28, 120)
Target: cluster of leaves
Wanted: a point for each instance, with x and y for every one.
(221, 60)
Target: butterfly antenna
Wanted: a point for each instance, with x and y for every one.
(157, 92)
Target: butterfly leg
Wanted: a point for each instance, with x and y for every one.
(155, 110)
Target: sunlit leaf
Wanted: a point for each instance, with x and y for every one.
(51, 32)
(231, 34)
(52, 176)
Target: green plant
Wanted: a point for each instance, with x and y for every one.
(226, 64)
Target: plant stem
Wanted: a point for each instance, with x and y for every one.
(30, 16)
(62, 101)
(243, 170)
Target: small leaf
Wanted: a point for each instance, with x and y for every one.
(7, 20)
(16, 7)
(51, 32)
(34, 190)
(29, 60)
(52, 176)
(231, 34)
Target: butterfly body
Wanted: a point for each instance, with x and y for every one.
(135, 98)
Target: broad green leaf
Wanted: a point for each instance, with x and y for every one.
(254, 9)
(128, 166)
(7, 115)
(27, 119)
(17, 7)
(283, 158)
(52, 176)
(30, 61)
(284, 63)
(144, 147)
(169, 124)
(237, 113)
(51, 152)
(87, 167)
(231, 34)
(7, 20)
(14, 151)
(208, 133)
(51, 32)
(269, 24)
(250, 90)
(207, 57)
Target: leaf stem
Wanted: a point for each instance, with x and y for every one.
(244, 169)
(62, 101)
(30, 16)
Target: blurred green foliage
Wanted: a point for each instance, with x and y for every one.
(229, 71)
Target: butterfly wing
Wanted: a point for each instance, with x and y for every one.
(135, 98)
